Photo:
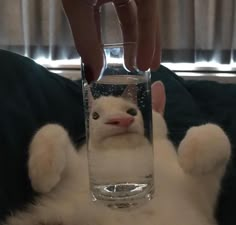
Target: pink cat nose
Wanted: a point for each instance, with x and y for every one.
(121, 121)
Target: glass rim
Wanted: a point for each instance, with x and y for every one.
(118, 45)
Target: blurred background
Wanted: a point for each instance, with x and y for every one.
(197, 35)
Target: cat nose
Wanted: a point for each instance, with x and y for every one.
(121, 121)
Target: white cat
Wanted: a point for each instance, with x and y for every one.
(187, 183)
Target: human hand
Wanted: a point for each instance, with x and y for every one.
(139, 24)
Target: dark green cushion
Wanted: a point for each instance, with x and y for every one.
(31, 96)
(191, 103)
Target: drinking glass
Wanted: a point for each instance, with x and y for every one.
(119, 132)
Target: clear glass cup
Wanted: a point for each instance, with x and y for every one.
(119, 133)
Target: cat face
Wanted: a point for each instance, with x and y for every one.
(113, 116)
(110, 116)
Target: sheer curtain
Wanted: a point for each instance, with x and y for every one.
(193, 31)
(35, 28)
(198, 30)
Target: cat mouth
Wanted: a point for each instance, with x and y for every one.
(117, 130)
(121, 122)
(113, 123)
(122, 132)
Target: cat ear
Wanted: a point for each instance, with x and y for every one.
(158, 97)
(130, 93)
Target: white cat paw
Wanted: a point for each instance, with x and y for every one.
(204, 149)
(47, 157)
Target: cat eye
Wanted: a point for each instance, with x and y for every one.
(132, 112)
(95, 115)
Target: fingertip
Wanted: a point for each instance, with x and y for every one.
(142, 63)
(155, 66)
(145, 53)
(143, 67)
(130, 56)
(156, 61)
(87, 74)
(92, 72)
(92, 68)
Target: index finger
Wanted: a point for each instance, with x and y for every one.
(147, 25)
(127, 15)
(81, 15)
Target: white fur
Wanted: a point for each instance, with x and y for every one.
(110, 107)
(187, 185)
